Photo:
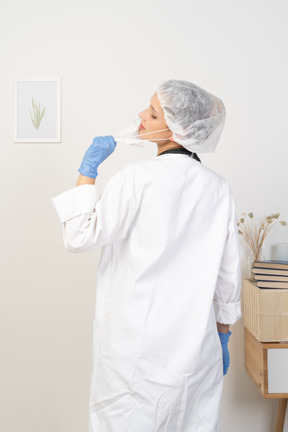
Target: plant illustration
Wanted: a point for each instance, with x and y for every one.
(255, 235)
(37, 114)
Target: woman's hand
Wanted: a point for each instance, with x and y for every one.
(100, 149)
(224, 338)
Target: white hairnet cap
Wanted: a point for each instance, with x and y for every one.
(194, 116)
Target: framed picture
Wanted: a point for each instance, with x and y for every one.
(37, 110)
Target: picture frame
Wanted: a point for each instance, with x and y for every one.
(37, 110)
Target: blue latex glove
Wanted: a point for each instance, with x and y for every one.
(224, 338)
(100, 149)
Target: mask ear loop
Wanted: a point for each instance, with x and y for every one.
(149, 133)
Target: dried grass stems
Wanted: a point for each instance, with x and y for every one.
(255, 236)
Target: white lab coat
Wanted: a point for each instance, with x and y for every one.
(169, 270)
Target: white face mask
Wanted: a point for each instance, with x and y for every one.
(130, 135)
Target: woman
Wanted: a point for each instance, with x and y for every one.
(168, 277)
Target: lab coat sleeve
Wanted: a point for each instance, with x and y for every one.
(227, 303)
(88, 223)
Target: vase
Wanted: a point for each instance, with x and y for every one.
(252, 258)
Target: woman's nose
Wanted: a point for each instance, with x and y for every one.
(142, 115)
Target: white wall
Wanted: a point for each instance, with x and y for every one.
(111, 56)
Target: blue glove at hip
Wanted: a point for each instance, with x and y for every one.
(224, 338)
(100, 149)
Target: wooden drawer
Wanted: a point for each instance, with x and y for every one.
(266, 364)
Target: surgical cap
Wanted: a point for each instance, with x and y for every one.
(194, 116)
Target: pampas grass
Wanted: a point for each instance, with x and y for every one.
(255, 235)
